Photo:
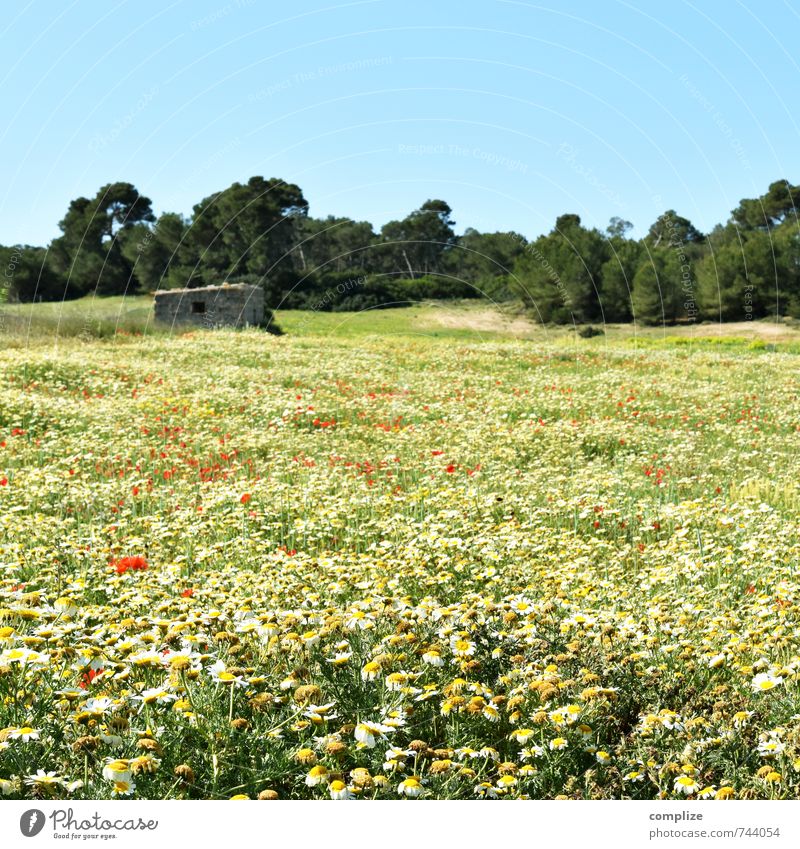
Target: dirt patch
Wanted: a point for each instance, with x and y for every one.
(769, 331)
(480, 320)
(494, 320)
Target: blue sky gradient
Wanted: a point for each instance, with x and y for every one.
(512, 112)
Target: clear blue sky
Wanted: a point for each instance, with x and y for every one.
(512, 112)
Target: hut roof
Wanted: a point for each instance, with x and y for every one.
(241, 287)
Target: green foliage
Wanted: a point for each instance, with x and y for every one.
(27, 276)
(418, 244)
(617, 274)
(673, 230)
(154, 252)
(244, 229)
(89, 255)
(657, 288)
(558, 275)
(738, 281)
(778, 204)
(260, 232)
(331, 244)
(486, 261)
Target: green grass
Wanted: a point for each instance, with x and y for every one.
(403, 321)
(473, 321)
(90, 317)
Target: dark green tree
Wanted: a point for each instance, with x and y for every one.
(618, 228)
(418, 245)
(616, 275)
(674, 230)
(27, 275)
(559, 275)
(248, 228)
(155, 252)
(658, 293)
(333, 244)
(786, 249)
(486, 261)
(780, 202)
(89, 253)
(741, 279)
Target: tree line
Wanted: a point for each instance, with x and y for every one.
(261, 232)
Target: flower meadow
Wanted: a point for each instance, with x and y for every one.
(235, 566)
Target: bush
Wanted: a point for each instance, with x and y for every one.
(354, 290)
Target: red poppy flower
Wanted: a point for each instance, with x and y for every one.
(88, 677)
(125, 564)
(245, 498)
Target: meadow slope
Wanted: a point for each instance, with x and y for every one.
(341, 564)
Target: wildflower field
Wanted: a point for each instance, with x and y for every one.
(241, 566)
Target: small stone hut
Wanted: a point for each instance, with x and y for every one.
(228, 305)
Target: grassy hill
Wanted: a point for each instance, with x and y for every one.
(107, 317)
